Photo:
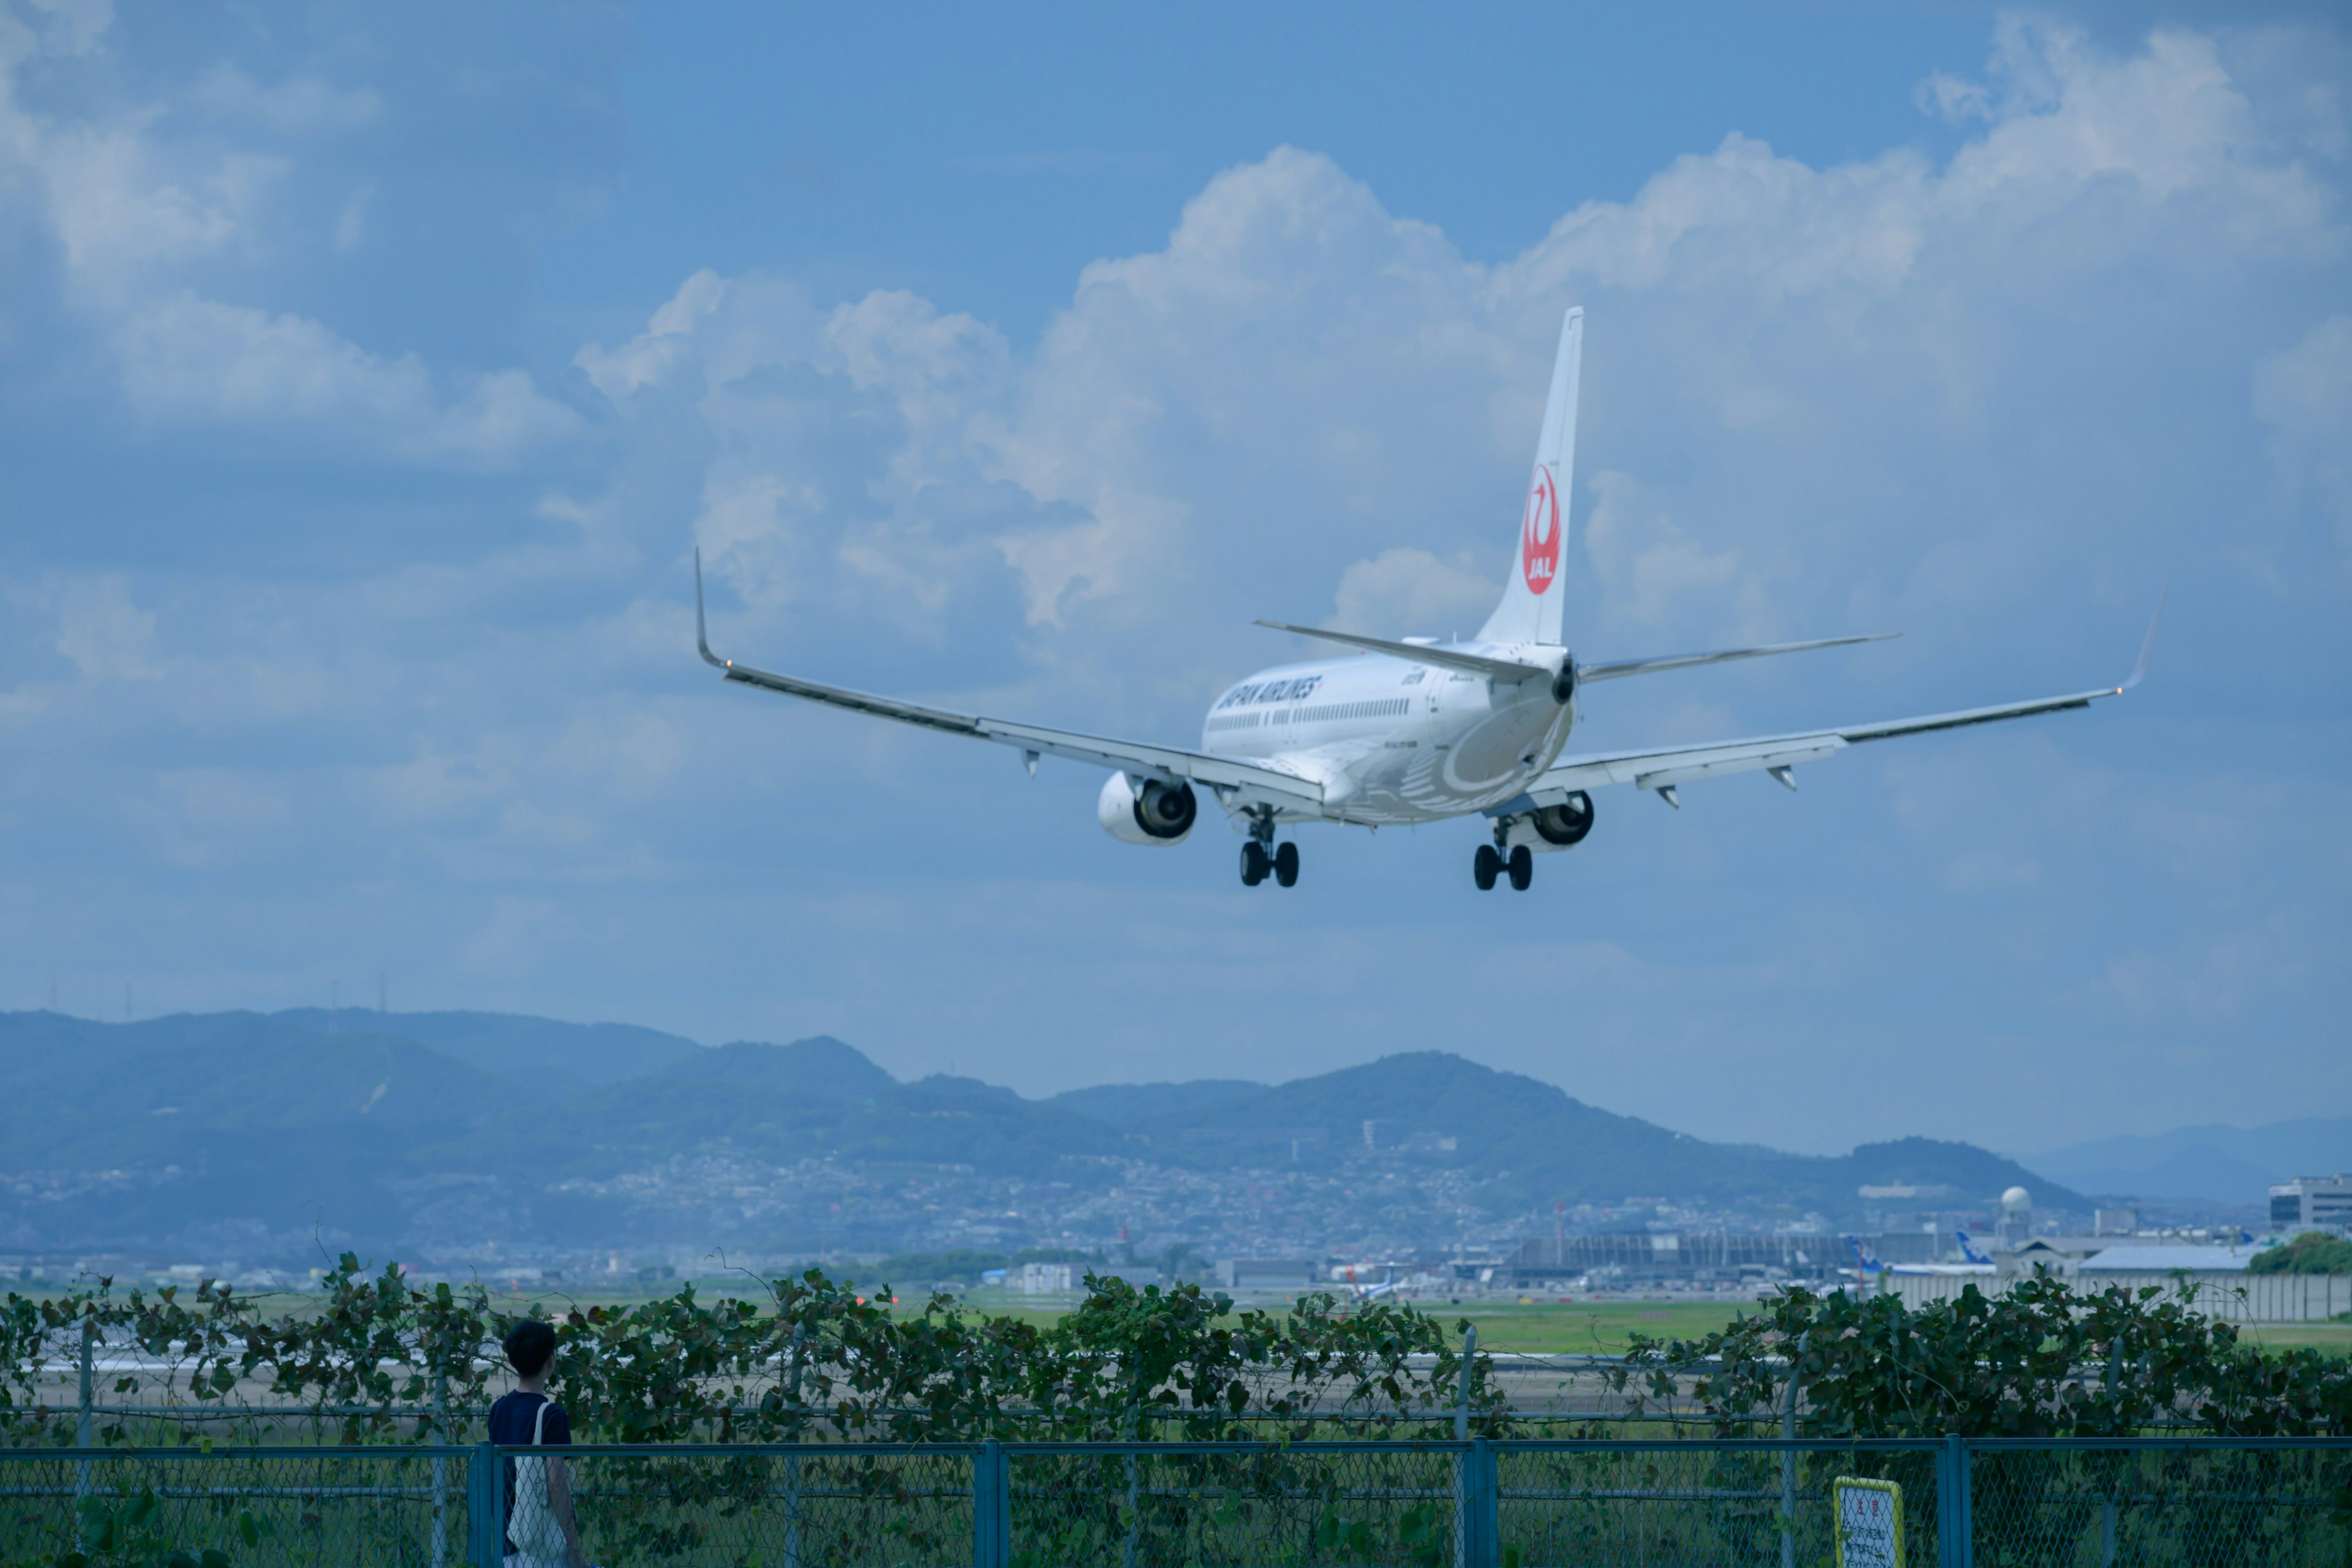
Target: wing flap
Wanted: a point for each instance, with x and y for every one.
(1662, 767)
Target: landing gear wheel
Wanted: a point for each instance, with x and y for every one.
(1286, 865)
(1485, 866)
(1253, 865)
(1523, 869)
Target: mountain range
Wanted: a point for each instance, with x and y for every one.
(265, 1135)
(2212, 1163)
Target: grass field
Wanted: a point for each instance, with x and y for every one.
(1604, 1328)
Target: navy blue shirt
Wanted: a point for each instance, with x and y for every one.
(511, 1419)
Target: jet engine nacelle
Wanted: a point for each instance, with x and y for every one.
(1565, 824)
(1145, 811)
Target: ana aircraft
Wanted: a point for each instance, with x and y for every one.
(1417, 730)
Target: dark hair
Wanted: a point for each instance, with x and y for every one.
(530, 1345)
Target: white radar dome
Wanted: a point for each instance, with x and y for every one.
(2017, 1200)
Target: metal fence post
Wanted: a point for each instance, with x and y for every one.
(1478, 1512)
(1463, 1532)
(440, 1471)
(1954, 1520)
(84, 1432)
(485, 1508)
(991, 1508)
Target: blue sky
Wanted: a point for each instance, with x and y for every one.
(367, 376)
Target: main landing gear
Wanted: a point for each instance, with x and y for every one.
(1261, 854)
(1491, 862)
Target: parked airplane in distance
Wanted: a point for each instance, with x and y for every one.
(1866, 1263)
(1417, 730)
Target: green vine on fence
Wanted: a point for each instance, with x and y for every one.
(372, 1357)
(2042, 1359)
(809, 1356)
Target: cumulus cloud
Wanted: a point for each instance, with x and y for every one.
(138, 213)
(1304, 399)
(195, 361)
(1406, 591)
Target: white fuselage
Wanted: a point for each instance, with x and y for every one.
(1391, 741)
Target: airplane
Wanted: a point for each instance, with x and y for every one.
(1866, 1263)
(1969, 1252)
(1418, 730)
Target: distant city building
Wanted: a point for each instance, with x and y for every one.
(2114, 1221)
(2312, 1203)
(1046, 1278)
(1897, 1190)
(1267, 1273)
(2061, 1255)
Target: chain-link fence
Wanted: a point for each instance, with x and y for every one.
(2160, 1503)
(1691, 1503)
(365, 1507)
(2047, 1503)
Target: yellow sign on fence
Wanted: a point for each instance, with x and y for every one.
(1869, 1522)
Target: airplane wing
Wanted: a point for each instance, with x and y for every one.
(1662, 768)
(1224, 776)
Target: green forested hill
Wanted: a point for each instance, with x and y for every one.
(267, 1134)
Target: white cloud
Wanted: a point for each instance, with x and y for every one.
(1406, 591)
(298, 104)
(197, 362)
(1301, 384)
(351, 223)
(103, 630)
(2214, 980)
(143, 216)
(71, 26)
(2304, 394)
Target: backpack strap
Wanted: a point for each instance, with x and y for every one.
(538, 1422)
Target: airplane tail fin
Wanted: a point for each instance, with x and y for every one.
(1531, 610)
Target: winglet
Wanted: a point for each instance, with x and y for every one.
(2147, 645)
(701, 634)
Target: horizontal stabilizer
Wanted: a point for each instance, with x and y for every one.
(1585, 672)
(1504, 669)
